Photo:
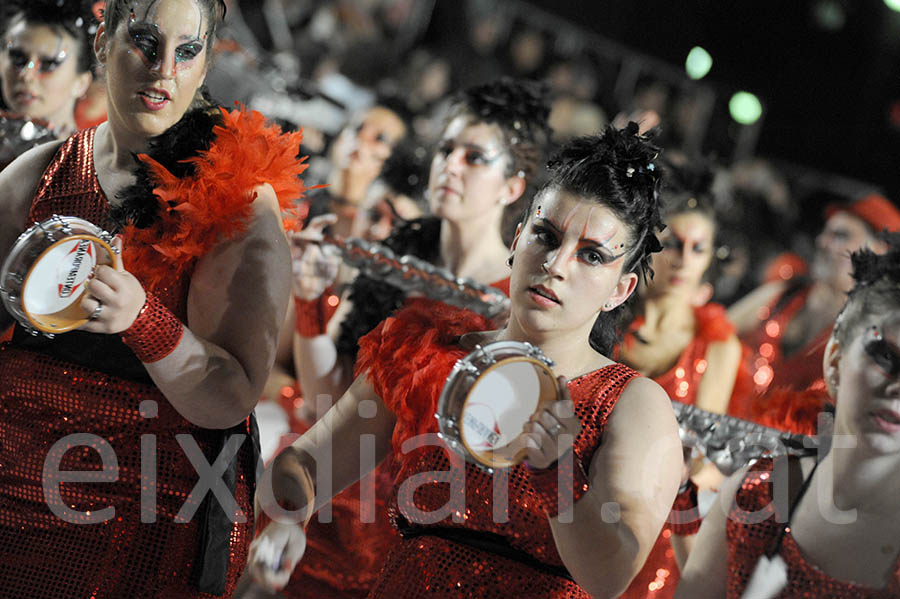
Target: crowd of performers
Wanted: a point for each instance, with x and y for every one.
(229, 288)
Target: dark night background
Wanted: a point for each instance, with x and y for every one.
(828, 93)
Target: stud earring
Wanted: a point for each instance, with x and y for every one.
(607, 306)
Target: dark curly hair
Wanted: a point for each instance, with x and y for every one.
(214, 10)
(616, 168)
(876, 289)
(520, 109)
(406, 170)
(73, 17)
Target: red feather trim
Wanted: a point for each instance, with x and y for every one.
(408, 358)
(214, 204)
(712, 323)
(789, 410)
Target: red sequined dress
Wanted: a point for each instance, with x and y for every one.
(770, 366)
(659, 576)
(408, 358)
(343, 557)
(750, 536)
(93, 386)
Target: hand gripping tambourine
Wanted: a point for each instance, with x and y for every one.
(489, 396)
(42, 279)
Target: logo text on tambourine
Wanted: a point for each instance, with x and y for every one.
(474, 425)
(70, 268)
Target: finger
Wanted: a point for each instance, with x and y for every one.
(318, 223)
(531, 442)
(315, 230)
(563, 410)
(562, 384)
(539, 432)
(108, 275)
(118, 245)
(551, 424)
(101, 291)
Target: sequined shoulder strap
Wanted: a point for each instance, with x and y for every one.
(69, 184)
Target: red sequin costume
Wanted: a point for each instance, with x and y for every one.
(749, 538)
(770, 366)
(105, 392)
(343, 558)
(659, 576)
(408, 358)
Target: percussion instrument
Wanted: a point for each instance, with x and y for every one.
(489, 396)
(42, 279)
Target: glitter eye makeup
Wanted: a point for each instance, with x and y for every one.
(20, 61)
(145, 37)
(473, 156)
(884, 354)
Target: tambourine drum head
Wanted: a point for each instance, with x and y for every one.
(499, 404)
(55, 283)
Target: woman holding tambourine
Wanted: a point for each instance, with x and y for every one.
(573, 504)
(177, 320)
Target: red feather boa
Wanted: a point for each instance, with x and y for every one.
(789, 410)
(408, 358)
(214, 204)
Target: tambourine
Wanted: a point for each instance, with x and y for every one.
(18, 134)
(489, 396)
(42, 279)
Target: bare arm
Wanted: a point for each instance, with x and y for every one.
(705, 576)
(321, 370)
(18, 184)
(722, 361)
(743, 313)
(329, 454)
(236, 304)
(636, 472)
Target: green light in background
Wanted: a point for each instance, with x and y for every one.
(745, 108)
(699, 62)
(893, 4)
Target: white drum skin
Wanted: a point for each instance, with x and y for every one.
(489, 396)
(43, 278)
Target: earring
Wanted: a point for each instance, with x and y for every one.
(607, 306)
(509, 260)
(831, 378)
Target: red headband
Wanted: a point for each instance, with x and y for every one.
(874, 210)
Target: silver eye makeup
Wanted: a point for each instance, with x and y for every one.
(884, 354)
(21, 60)
(473, 156)
(145, 38)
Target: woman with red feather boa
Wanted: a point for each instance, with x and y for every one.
(165, 374)
(585, 240)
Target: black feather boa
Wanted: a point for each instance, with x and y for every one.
(185, 139)
(374, 300)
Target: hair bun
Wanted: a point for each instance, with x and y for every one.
(516, 104)
(869, 267)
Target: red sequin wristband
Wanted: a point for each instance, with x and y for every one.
(313, 315)
(685, 519)
(552, 485)
(154, 333)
